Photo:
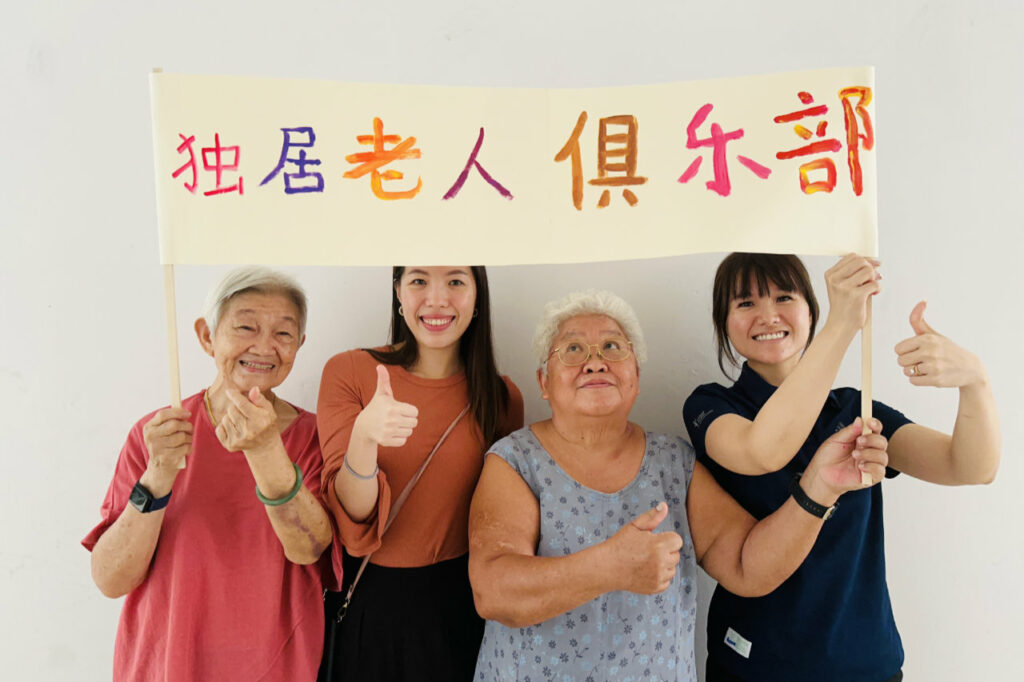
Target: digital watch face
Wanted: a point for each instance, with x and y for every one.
(140, 498)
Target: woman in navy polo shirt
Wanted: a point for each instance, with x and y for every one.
(832, 619)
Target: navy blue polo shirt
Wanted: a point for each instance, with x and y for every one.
(832, 619)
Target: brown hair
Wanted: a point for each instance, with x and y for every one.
(733, 278)
(488, 394)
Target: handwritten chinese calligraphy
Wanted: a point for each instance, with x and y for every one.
(717, 142)
(456, 187)
(218, 165)
(853, 140)
(609, 145)
(301, 180)
(617, 153)
(370, 162)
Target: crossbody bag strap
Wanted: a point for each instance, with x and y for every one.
(397, 507)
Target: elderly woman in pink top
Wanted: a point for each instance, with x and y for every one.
(220, 559)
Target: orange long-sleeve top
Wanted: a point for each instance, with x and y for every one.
(433, 525)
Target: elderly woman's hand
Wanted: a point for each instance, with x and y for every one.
(930, 359)
(250, 422)
(168, 438)
(645, 561)
(837, 465)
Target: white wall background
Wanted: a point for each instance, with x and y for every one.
(82, 353)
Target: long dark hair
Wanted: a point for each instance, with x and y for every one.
(733, 278)
(488, 394)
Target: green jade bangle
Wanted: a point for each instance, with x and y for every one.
(287, 498)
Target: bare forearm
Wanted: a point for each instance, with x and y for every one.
(976, 443)
(358, 494)
(773, 549)
(519, 590)
(301, 523)
(302, 526)
(783, 423)
(121, 557)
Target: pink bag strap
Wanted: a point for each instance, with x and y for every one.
(397, 506)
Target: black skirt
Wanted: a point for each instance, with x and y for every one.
(405, 624)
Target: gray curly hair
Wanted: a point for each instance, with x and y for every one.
(253, 278)
(588, 302)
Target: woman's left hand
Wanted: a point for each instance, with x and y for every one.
(250, 422)
(930, 359)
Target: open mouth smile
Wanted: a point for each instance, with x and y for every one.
(438, 324)
(256, 366)
(774, 336)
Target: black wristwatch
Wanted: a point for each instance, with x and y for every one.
(819, 510)
(144, 501)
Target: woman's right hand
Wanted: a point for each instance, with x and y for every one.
(168, 438)
(850, 282)
(645, 561)
(384, 420)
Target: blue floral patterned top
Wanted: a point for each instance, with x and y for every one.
(619, 636)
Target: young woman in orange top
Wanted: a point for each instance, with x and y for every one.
(381, 411)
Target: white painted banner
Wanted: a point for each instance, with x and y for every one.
(302, 172)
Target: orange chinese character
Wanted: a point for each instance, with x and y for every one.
(371, 161)
(616, 145)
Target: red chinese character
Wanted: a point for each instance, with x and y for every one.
(853, 136)
(616, 145)
(371, 161)
(219, 165)
(831, 145)
(717, 142)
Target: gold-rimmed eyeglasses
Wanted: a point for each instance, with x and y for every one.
(612, 349)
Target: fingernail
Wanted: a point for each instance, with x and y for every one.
(661, 505)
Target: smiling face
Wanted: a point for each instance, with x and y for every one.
(770, 331)
(255, 341)
(437, 304)
(597, 388)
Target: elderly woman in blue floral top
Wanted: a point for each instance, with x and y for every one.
(586, 531)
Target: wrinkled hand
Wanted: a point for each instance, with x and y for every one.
(930, 359)
(249, 423)
(384, 420)
(839, 461)
(645, 561)
(850, 282)
(168, 438)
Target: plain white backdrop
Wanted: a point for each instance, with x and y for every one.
(82, 353)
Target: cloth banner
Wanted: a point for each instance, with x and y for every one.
(301, 172)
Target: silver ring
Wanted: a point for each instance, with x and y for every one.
(913, 370)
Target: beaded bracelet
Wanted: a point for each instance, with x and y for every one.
(358, 475)
(287, 498)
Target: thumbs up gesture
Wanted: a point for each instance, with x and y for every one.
(384, 420)
(930, 359)
(644, 560)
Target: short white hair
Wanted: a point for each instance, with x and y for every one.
(588, 302)
(253, 278)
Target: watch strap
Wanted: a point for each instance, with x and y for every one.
(809, 505)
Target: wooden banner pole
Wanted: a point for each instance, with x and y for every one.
(865, 380)
(171, 312)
